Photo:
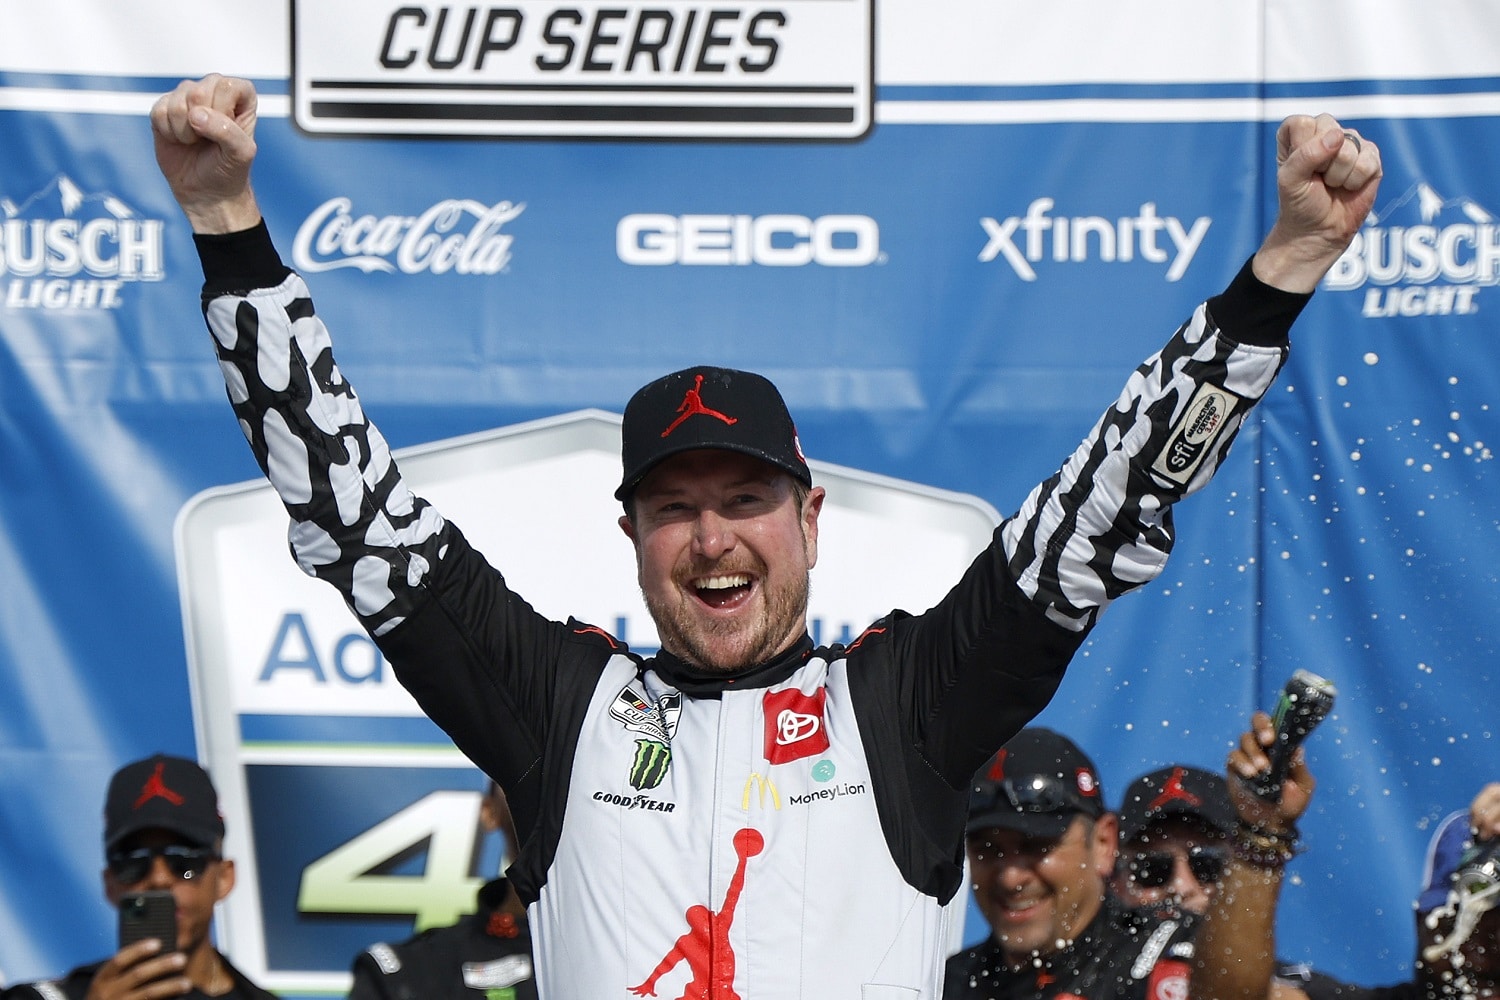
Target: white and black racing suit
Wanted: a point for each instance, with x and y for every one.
(791, 831)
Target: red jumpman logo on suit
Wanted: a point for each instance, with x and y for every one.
(705, 947)
(156, 788)
(1173, 790)
(692, 402)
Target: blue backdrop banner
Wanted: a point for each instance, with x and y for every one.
(949, 232)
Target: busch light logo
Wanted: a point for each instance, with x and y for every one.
(1425, 254)
(457, 235)
(63, 249)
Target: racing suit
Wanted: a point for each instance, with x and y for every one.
(485, 954)
(1123, 954)
(793, 830)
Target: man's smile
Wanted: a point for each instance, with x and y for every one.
(723, 590)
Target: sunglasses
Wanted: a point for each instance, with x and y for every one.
(1039, 793)
(1154, 870)
(130, 867)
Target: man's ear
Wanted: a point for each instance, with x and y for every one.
(226, 879)
(812, 507)
(1106, 844)
(628, 526)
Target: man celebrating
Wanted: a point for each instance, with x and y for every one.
(631, 778)
(1041, 851)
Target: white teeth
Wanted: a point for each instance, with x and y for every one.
(724, 582)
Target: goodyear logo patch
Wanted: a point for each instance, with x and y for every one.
(789, 69)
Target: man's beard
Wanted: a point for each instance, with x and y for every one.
(727, 647)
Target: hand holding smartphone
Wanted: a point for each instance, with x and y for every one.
(149, 914)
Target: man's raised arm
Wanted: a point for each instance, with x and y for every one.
(204, 132)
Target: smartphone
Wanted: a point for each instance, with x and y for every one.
(150, 914)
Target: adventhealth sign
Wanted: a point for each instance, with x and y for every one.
(336, 779)
(792, 69)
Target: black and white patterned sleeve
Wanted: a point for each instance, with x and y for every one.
(355, 523)
(1102, 525)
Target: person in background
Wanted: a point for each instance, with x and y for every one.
(1458, 921)
(162, 831)
(484, 956)
(1042, 849)
(1175, 824)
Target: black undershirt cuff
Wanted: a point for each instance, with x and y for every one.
(238, 262)
(1252, 312)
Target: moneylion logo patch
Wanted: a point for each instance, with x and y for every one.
(633, 69)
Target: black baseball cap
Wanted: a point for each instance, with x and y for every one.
(1035, 784)
(707, 408)
(162, 793)
(1177, 791)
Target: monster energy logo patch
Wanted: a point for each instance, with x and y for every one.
(650, 765)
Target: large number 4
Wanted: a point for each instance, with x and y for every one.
(341, 881)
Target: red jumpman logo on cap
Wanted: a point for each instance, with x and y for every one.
(156, 788)
(1173, 790)
(692, 402)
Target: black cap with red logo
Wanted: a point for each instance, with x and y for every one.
(162, 793)
(707, 408)
(1190, 793)
(1036, 784)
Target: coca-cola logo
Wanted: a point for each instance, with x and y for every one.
(457, 235)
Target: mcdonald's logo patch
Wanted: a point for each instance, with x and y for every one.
(765, 790)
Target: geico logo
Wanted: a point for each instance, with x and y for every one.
(729, 240)
(592, 40)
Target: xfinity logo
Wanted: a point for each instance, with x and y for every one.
(1027, 239)
(737, 240)
(629, 68)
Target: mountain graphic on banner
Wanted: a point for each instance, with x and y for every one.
(1428, 205)
(62, 198)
